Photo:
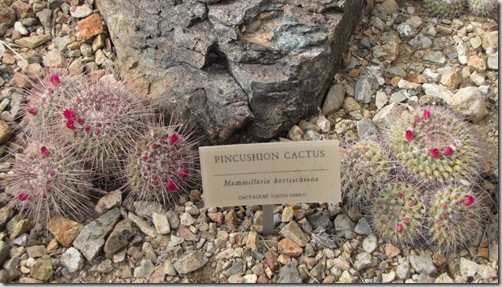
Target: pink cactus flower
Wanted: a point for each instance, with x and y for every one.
(447, 151)
(409, 135)
(406, 221)
(174, 139)
(427, 114)
(399, 228)
(23, 196)
(55, 80)
(435, 153)
(33, 111)
(69, 114)
(171, 186)
(469, 200)
(184, 173)
(71, 125)
(45, 152)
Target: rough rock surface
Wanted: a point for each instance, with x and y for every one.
(243, 70)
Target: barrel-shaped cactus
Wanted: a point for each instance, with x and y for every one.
(435, 146)
(445, 7)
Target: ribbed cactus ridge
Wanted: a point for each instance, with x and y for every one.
(47, 180)
(364, 166)
(434, 145)
(482, 7)
(445, 7)
(163, 163)
(398, 213)
(455, 216)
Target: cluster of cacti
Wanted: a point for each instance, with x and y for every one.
(94, 128)
(47, 179)
(163, 163)
(398, 213)
(434, 145)
(453, 7)
(455, 216)
(364, 166)
(428, 176)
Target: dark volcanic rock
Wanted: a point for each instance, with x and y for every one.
(241, 70)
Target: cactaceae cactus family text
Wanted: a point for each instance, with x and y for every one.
(444, 7)
(435, 145)
(47, 180)
(163, 163)
(455, 216)
(397, 214)
(364, 166)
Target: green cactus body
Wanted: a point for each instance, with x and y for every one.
(482, 7)
(364, 166)
(444, 7)
(434, 145)
(397, 213)
(47, 180)
(455, 215)
(162, 164)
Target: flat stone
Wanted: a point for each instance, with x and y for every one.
(33, 41)
(7, 18)
(5, 132)
(54, 59)
(435, 57)
(161, 223)
(296, 134)
(186, 234)
(370, 243)
(365, 128)
(451, 80)
(90, 27)
(443, 278)
(487, 272)
(253, 241)
(144, 270)
(64, 230)
(362, 227)
(287, 214)
(36, 251)
(119, 237)
(81, 11)
(341, 263)
(403, 270)
(289, 274)
(477, 63)
(468, 268)
(231, 219)
(344, 226)
(391, 251)
(72, 260)
(490, 41)
(404, 84)
(235, 279)
(365, 87)
(142, 225)
(423, 264)
(294, 232)
(319, 219)
(92, 237)
(420, 41)
(20, 227)
(216, 217)
(109, 201)
(42, 270)
(334, 99)
(271, 260)
(438, 91)
(468, 102)
(350, 104)
(363, 260)
(288, 247)
(4, 251)
(190, 261)
(388, 277)
(145, 209)
(174, 220)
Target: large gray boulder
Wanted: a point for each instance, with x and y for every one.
(241, 70)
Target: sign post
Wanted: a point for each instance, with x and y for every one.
(270, 173)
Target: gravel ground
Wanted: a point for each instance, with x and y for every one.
(399, 55)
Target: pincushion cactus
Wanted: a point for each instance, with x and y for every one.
(99, 121)
(364, 166)
(482, 7)
(163, 163)
(455, 216)
(47, 180)
(434, 145)
(397, 213)
(444, 7)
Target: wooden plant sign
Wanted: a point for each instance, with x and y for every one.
(271, 173)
